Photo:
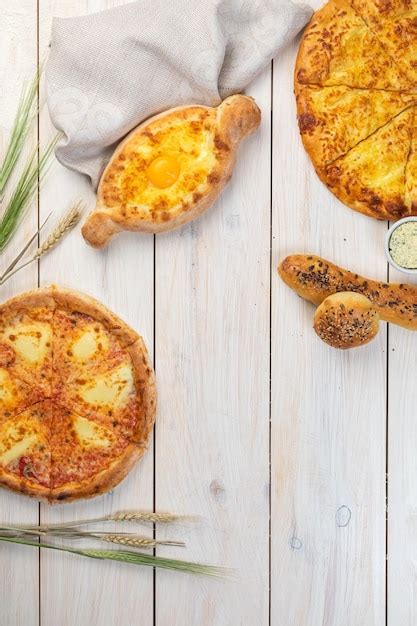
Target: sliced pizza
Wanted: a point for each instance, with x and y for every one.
(15, 395)
(328, 117)
(395, 25)
(113, 393)
(338, 48)
(81, 305)
(370, 178)
(25, 455)
(77, 396)
(86, 457)
(80, 340)
(26, 338)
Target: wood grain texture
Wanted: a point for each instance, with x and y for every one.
(402, 473)
(328, 408)
(210, 324)
(19, 588)
(212, 354)
(73, 590)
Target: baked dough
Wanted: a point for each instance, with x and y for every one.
(339, 48)
(395, 25)
(314, 279)
(371, 176)
(356, 91)
(411, 172)
(77, 396)
(328, 117)
(170, 169)
(346, 320)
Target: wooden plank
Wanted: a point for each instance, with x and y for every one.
(73, 590)
(212, 358)
(328, 407)
(18, 566)
(402, 472)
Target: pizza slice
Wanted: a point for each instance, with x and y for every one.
(370, 178)
(110, 393)
(328, 117)
(395, 25)
(86, 458)
(338, 48)
(411, 171)
(15, 395)
(25, 458)
(26, 338)
(80, 340)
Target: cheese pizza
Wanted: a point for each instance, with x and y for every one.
(77, 396)
(356, 92)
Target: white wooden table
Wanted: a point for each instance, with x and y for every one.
(282, 444)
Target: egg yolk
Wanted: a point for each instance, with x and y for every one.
(163, 171)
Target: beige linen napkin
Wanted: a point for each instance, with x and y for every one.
(109, 71)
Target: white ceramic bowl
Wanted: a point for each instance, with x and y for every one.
(391, 261)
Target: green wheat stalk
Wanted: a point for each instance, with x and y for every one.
(25, 113)
(26, 188)
(121, 538)
(133, 558)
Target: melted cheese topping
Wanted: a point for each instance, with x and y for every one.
(17, 449)
(339, 49)
(91, 341)
(380, 160)
(91, 434)
(328, 116)
(375, 169)
(30, 341)
(7, 390)
(15, 439)
(395, 22)
(184, 140)
(111, 388)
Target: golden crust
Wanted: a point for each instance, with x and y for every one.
(370, 178)
(117, 208)
(54, 298)
(102, 482)
(328, 117)
(314, 279)
(146, 388)
(23, 486)
(346, 320)
(338, 48)
(71, 300)
(411, 172)
(39, 298)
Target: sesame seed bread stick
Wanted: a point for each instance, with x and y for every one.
(314, 279)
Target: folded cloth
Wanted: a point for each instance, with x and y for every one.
(109, 71)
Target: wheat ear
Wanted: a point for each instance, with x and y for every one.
(67, 223)
(126, 516)
(134, 558)
(137, 541)
(151, 517)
